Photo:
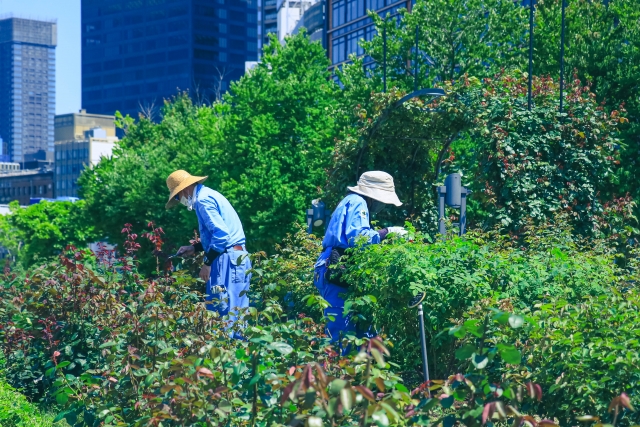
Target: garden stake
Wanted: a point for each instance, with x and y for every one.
(417, 302)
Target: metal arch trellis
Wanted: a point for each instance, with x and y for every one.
(432, 92)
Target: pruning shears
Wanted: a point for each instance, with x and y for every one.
(174, 256)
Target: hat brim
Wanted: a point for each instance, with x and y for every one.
(184, 184)
(387, 197)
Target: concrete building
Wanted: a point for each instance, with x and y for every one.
(290, 12)
(22, 185)
(348, 23)
(27, 90)
(81, 140)
(137, 53)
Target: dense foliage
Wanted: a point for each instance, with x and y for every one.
(39, 232)
(90, 334)
(265, 147)
(529, 165)
(277, 141)
(15, 410)
(603, 47)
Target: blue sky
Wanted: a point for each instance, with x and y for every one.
(67, 13)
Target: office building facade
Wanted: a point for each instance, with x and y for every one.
(22, 185)
(136, 53)
(27, 90)
(348, 23)
(81, 141)
(267, 21)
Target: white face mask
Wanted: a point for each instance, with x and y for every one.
(188, 202)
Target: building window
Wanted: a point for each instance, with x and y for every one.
(338, 50)
(355, 9)
(338, 13)
(376, 4)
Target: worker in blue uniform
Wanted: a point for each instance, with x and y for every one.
(226, 261)
(350, 220)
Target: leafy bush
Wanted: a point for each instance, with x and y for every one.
(15, 410)
(41, 231)
(457, 272)
(584, 353)
(90, 334)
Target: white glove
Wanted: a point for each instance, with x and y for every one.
(398, 230)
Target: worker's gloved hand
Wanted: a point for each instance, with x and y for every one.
(398, 230)
(334, 258)
(186, 251)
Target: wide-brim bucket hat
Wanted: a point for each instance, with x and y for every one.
(178, 181)
(379, 186)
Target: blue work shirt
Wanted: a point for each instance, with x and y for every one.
(220, 226)
(349, 220)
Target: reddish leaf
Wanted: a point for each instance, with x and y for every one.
(205, 372)
(626, 402)
(368, 394)
(487, 412)
(286, 392)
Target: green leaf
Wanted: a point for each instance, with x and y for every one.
(509, 354)
(282, 347)
(465, 352)
(62, 398)
(108, 344)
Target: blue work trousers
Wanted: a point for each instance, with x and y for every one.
(335, 295)
(228, 285)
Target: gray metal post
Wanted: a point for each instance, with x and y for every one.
(463, 212)
(531, 9)
(562, 57)
(309, 221)
(423, 342)
(442, 229)
(384, 56)
(416, 66)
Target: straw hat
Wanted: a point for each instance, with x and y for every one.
(379, 186)
(178, 181)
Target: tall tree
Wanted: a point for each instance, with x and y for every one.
(265, 147)
(278, 138)
(602, 46)
(41, 231)
(455, 37)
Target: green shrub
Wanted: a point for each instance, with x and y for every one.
(584, 353)
(15, 410)
(458, 272)
(113, 348)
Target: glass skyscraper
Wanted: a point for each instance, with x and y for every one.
(135, 53)
(348, 23)
(27, 90)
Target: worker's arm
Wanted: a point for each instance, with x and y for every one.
(212, 221)
(357, 224)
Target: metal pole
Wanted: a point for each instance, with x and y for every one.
(463, 212)
(416, 66)
(441, 225)
(309, 221)
(423, 342)
(562, 56)
(531, 9)
(384, 55)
